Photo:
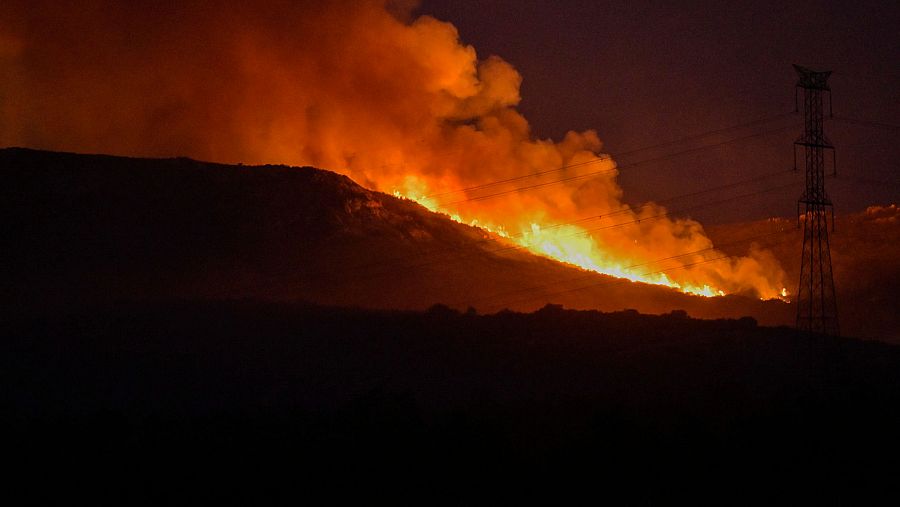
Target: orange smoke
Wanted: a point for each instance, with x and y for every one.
(359, 87)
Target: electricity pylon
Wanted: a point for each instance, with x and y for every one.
(816, 300)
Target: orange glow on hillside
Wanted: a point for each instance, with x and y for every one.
(573, 244)
(391, 99)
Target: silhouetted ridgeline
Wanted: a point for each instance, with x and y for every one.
(215, 396)
(88, 230)
(865, 249)
(124, 372)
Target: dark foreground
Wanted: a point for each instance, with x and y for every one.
(225, 400)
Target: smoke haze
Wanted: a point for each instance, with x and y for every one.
(363, 88)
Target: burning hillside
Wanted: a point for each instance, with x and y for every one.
(363, 88)
(93, 230)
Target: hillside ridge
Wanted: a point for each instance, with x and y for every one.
(94, 229)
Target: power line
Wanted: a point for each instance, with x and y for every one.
(601, 158)
(876, 124)
(538, 185)
(588, 231)
(594, 274)
(605, 171)
(669, 199)
(865, 181)
(608, 157)
(709, 133)
(667, 213)
(623, 280)
(611, 213)
(595, 217)
(881, 75)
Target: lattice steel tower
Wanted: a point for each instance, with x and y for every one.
(816, 301)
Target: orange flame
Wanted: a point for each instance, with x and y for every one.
(393, 100)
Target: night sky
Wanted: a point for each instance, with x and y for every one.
(643, 73)
(345, 86)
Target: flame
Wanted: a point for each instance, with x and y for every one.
(572, 245)
(362, 87)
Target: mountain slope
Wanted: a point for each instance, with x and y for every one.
(93, 229)
(865, 253)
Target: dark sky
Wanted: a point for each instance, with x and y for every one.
(642, 73)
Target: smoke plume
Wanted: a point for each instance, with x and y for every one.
(361, 87)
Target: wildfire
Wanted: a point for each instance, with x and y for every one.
(391, 99)
(570, 244)
(419, 195)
